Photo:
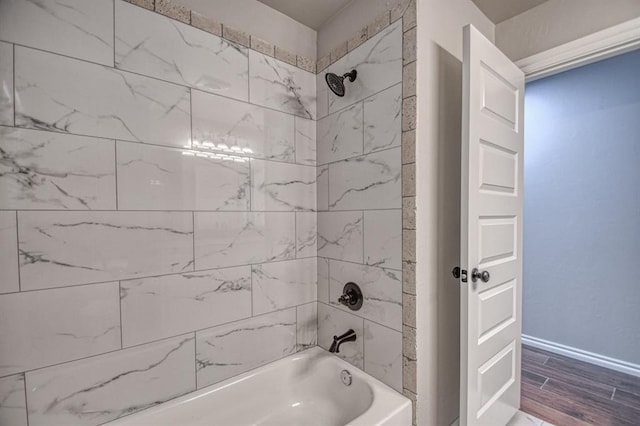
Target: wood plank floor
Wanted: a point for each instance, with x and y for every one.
(567, 392)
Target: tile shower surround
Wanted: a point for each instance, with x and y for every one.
(158, 272)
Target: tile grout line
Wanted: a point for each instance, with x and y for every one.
(26, 399)
(18, 253)
(115, 166)
(120, 309)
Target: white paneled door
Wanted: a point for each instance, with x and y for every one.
(491, 237)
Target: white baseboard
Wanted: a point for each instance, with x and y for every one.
(579, 354)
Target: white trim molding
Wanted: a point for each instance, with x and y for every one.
(603, 44)
(579, 354)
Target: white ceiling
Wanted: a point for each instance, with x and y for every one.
(501, 10)
(312, 13)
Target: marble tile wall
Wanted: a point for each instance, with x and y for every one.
(359, 189)
(158, 208)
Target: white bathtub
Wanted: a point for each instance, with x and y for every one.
(302, 389)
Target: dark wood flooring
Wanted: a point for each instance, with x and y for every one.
(567, 392)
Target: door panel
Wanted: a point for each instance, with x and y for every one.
(491, 233)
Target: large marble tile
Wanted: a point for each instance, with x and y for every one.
(64, 248)
(55, 171)
(383, 354)
(158, 178)
(371, 181)
(232, 349)
(96, 390)
(40, 328)
(383, 238)
(383, 119)
(9, 249)
(65, 95)
(307, 326)
(13, 405)
(306, 234)
(322, 187)
(340, 135)
(275, 84)
(322, 94)
(334, 322)
(340, 235)
(79, 28)
(382, 290)
(379, 65)
(323, 280)
(231, 239)
(6, 83)
(230, 126)
(151, 44)
(158, 307)
(281, 285)
(277, 186)
(305, 141)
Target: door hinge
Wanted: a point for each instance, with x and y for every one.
(460, 273)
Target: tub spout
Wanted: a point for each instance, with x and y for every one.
(349, 336)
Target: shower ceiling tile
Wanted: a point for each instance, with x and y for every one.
(96, 390)
(63, 324)
(280, 285)
(239, 238)
(275, 84)
(154, 45)
(340, 135)
(158, 307)
(382, 289)
(66, 95)
(368, 182)
(258, 132)
(158, 178)
(379, 66)
(78, 28)
(56, 171)
(67, 248)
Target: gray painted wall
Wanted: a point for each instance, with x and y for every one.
(582, 208)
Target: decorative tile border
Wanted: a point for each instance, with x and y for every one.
(197, 20)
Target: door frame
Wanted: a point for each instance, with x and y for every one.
(603, 44)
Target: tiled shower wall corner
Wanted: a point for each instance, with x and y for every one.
(360, 204)
(157, 210)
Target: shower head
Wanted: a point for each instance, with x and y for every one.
(336, 82)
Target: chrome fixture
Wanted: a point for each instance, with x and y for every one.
(336, 82)
(351, 296)
(349, 336)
